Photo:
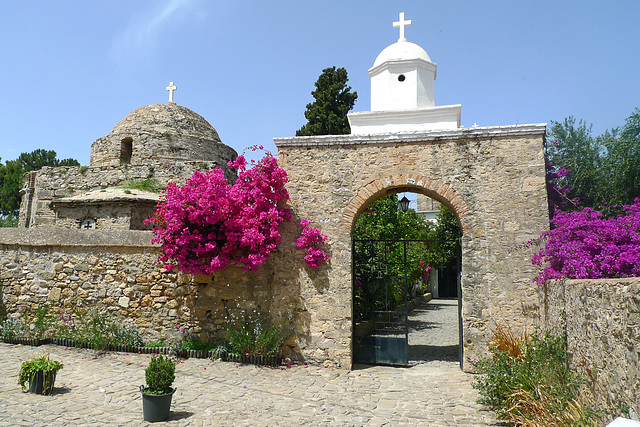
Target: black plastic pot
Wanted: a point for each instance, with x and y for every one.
(41, 382)
(156, 407)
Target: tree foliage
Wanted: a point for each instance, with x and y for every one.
(593, 171)
(327, 115)
(11, 173)
(384, 220)
(384, 236)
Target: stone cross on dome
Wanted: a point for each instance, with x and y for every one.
(171, 88)
(402, 23)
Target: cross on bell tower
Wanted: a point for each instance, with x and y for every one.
(171, 88)
(402, 23)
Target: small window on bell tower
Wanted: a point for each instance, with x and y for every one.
(126, 149)
(401, 78)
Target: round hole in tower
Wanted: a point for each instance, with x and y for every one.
(401, 78)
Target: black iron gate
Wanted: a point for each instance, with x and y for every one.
(384, 275)
(381, 287)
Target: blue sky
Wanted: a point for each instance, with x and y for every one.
(71, 69)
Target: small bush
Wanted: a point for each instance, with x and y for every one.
(11, 329)
(527, 381)
(159, 375)
(128, 335)
(42, 321)
(190, 341)
(257, 336)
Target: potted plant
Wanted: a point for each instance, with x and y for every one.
(40, 372)
(156, 397)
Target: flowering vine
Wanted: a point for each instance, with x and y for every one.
(312, 237)
(424, 271)
(207, 224)
(584, 245)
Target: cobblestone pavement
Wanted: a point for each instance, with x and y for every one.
(103, 390)
(433, 332)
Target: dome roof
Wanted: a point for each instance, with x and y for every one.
(162, 118)
(402, 50)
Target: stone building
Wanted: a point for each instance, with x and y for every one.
(150, 147)
(492, 178)
(81, 242)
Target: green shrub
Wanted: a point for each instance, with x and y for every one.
(39, 362)
(128, 335)
(528, 378)
(159, 375)
(11, 328)
(42, 321)
(258, 336)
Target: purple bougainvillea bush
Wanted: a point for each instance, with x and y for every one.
(585, 245)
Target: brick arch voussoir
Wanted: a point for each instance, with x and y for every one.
(433, 188)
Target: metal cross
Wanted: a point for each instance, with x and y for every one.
(171, 88)
(402, 23)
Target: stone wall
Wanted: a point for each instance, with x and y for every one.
(116, 272)
(492, 178)
(603, 332)
(49, 184)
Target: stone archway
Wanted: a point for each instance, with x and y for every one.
(385, 342)
(493, 178)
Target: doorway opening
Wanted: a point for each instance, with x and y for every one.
(399, 259)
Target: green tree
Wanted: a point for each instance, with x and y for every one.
(39, 158)
(573, 147)
(448, 235)
(11, 180)
(327, 115)
(427, 245)
(383, 219)
(603, 170)
(621, 163)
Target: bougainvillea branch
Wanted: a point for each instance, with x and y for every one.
(584, 245)
(311, 238)
(207, 224)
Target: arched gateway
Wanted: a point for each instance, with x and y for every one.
(492, 178)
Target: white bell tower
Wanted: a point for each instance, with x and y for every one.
(403, 93)
(402, 76)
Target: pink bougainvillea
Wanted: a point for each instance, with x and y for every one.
(424, 271)
(207, 224)
(312, 237)
(584, 245)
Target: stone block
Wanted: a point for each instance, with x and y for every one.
(81, 267)
(54, 294)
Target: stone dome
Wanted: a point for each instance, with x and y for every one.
(401, 51)
(162, 118)
(160, 133)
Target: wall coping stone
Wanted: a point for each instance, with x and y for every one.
(73, 237)
(416, 136)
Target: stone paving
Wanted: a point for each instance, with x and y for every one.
(103, 390)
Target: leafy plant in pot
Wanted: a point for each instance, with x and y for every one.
(156, 397)
(40, 372)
